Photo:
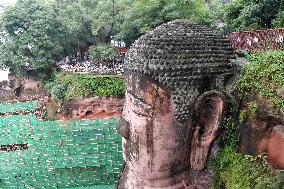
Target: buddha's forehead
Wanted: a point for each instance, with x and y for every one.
(143, 88)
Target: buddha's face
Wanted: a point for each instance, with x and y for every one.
(156, 146)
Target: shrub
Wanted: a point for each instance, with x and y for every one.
(264, 75)
(238, 171)
(102, 52)
(68, 86)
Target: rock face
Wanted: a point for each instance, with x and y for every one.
(30, 84)
(6, 92)
(21, 89)
(176, 77)
(270, 141)
(273, 145)
(264, 132)
(94, 107)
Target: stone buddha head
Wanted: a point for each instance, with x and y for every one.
(176, 79)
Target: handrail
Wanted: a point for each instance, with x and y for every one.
(258, 40)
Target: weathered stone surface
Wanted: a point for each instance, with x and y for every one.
(264, 132)
(30, 84)
(175, 77)
(5, 85)
(21, 89)
(186, 58)
(94, 107)
(210, 114)
(6, 92)
(273, 145)
(159, 151)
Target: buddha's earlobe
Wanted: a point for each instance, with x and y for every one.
(209, 109)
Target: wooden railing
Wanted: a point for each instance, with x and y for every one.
(258, 40)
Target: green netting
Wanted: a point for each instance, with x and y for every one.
(60, 154)
(23, 106)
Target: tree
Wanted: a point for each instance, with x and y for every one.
(87, 22)
(253, 14)
(279, 20)
(38, 33)
(34, 37)
(102, 52)
(145, 15)
(76, 17)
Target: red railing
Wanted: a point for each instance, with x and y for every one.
(122, 50)
(258, 40)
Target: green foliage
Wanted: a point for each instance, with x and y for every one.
(253, 14)
(249, 112)
(252, 108)
(236, 171)
(76, 18)
(243, 115)
(278, 22)
(142, 16)
(102, 52)
(33, 36)
(108, 18)
(58, 91)
(67, 86)
(39, 33)
(230, 128)
(264, 75)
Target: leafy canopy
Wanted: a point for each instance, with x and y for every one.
(263, 75)
(254, 14)
(40, 32)
(33, 35)
(144, 15)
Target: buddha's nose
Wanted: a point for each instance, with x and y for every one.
(123, 128)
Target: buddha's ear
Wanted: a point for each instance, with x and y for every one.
(209, 110)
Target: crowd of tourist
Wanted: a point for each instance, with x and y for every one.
(112, 66)
(98, 68)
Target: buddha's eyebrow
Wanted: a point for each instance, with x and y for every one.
(138, 98)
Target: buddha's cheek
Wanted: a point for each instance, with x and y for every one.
(154, 148)
(137, 149)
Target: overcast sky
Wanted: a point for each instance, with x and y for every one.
(7, 2)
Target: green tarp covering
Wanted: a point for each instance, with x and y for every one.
(60, 154)
(22, 106)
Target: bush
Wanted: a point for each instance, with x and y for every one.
(58, 91)
(238, 171)
(68, 86)
(102, 52)
(264, 75)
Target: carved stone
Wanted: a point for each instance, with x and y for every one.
(176, 77)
